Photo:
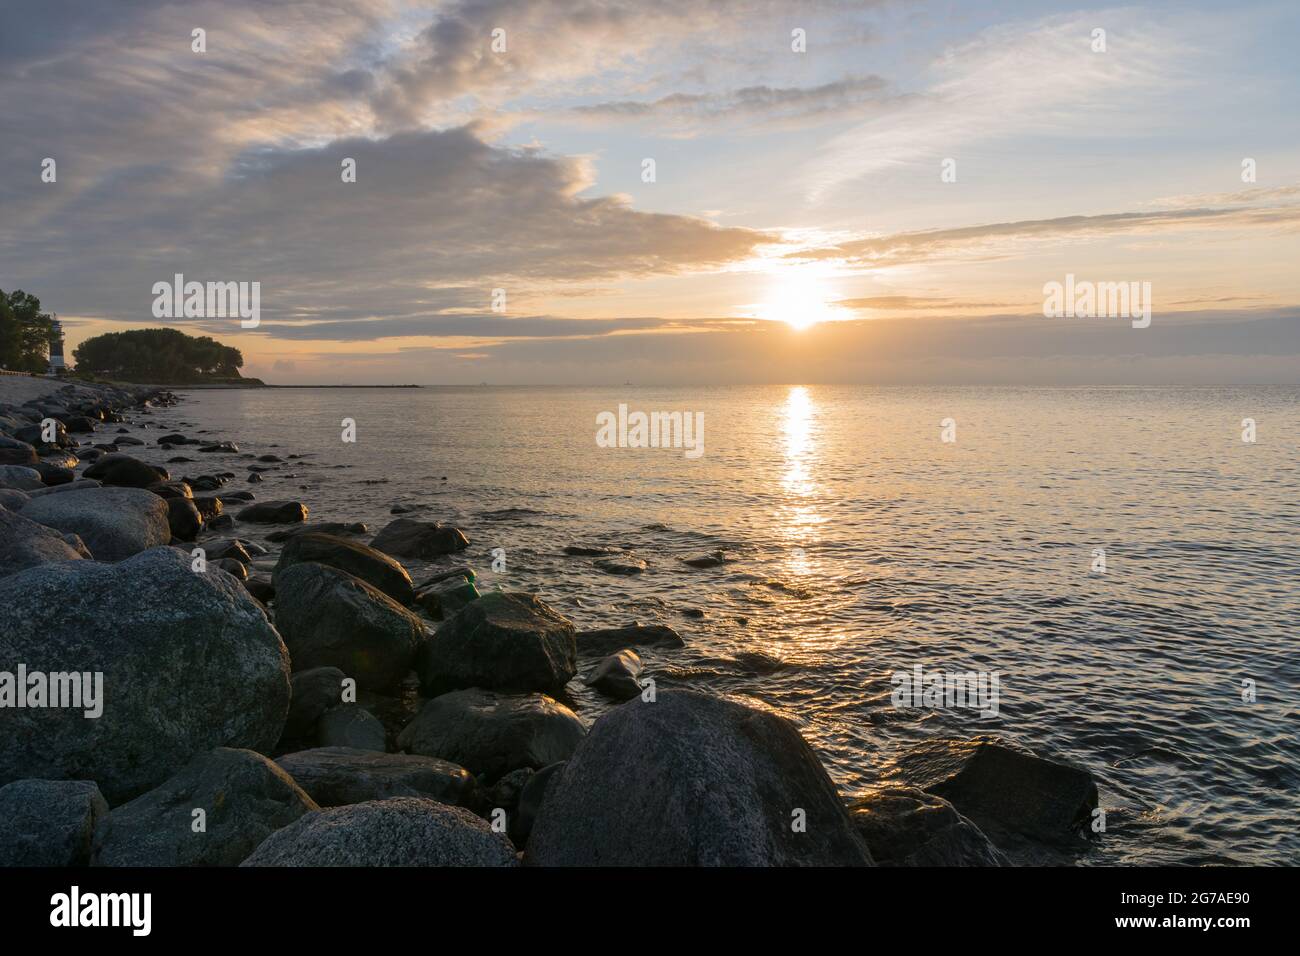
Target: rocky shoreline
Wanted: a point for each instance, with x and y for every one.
(293, 696)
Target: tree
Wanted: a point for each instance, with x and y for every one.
(157, 356)
(24, 333)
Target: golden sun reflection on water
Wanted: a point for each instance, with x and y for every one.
(798, 515)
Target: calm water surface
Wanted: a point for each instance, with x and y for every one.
(863, 545)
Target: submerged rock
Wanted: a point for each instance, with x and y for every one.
(409, 538)
(115, 523)
(244, 798)
(623, 566)
(399, 831)
(1005, 791)
(189, 662)
(329, 618)
(618, 676)
(274, 512)
(693, 780)
(904, 826)
(49, 822)
(324, 527)
(492, 734)
(609, 640)
(373, 567)
(336, 776)
(503, 641)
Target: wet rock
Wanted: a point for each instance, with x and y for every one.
(351, 725)
(409, 538)
(329, 618)
(609, 640)
(115, 523)
(49, 822)
(80, 424)
(503, 641)
(25, 544)
(446, 598)
(227, 548)
(337, 776)
(261, 588)
(1005, 791)
(693, 780)
(172, 489)
(492, 734)
(225, 448)
(324, 527)
(209, 506)
(623, 566)
(189, 662)
(123, 471)
(583, 551)
(373, 567)
(715, 559)
(52, 474)
(183, 519)
(175, 438)
(275, 512)
(399, 831)
(244, 798)
(618, 675)
(904, 826)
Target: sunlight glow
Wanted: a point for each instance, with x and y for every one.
(800, 299)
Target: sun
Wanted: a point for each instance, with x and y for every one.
(800, 300)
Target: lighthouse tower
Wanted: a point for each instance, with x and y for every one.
(57, 366)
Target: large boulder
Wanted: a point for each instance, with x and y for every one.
(693, 780)
(331, 619)
(26, 544)
(399, 831)
(904, 826)
(373, 567)
(335, 776)
(1008, 792)
(274, 512)
(21, 477)
(503, 641)
(244, 798)
(13, 499)
(81, 484)
(188, 662)
(492, 734)
(115, 523)
(409, 538)
(124, 471)
(49, 822)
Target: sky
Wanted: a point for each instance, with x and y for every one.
(872, 192)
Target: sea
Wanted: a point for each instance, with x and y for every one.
(1125, 561)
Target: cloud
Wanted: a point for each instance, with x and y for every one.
(1040, 79)
(763, 105)
(999, 240)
